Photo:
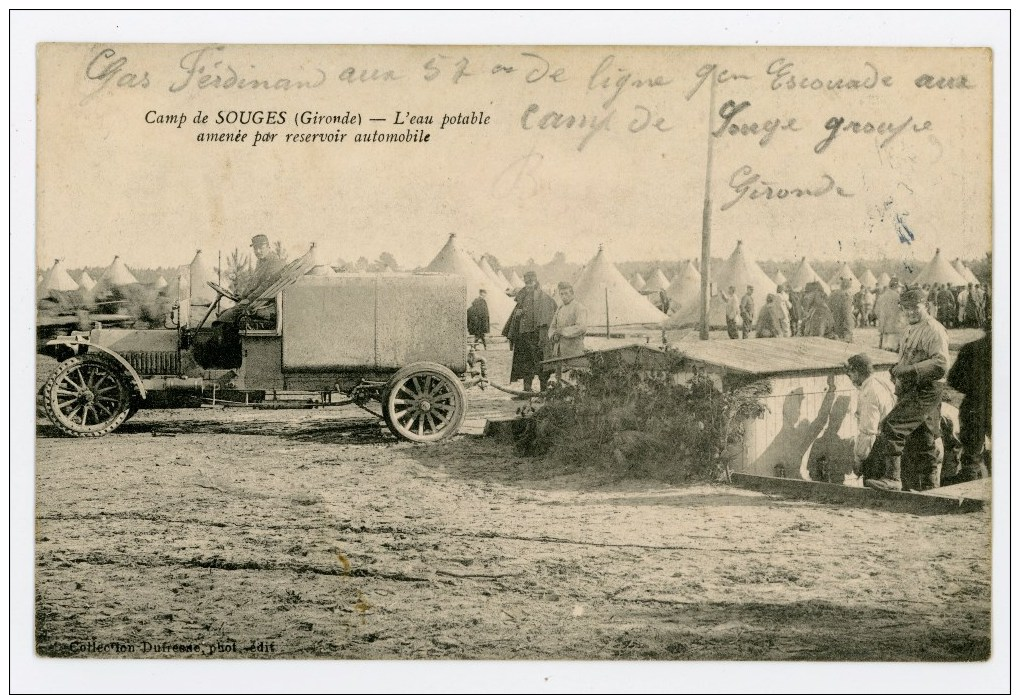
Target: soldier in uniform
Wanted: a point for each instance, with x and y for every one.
(527, 331)
(920, 378)
(226, 344)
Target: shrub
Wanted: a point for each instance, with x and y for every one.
(667, 425)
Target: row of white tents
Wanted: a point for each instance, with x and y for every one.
(611, 299)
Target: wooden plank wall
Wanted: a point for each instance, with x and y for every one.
(808, 432)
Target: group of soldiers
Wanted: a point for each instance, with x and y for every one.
(538, 329)
(812, 312)
(908, 412)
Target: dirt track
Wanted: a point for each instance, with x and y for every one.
(317, 535)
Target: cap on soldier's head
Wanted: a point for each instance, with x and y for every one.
(531, 274)
(259, 240)
(860, 363)
(913, 297)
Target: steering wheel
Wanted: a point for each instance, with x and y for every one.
(222, 291)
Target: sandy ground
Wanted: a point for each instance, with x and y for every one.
(315, 534)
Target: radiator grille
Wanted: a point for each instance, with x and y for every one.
(150, 363)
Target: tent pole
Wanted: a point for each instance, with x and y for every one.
(607, 312)
(706, 220)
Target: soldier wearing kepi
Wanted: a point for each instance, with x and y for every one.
(920, 378)
(227, 345)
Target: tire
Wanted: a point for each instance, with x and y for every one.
(424, 402)
(87, 396)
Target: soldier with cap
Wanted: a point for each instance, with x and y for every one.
(920, 378)
(566, 332)
(747, 312)
(875, 399)
(527, 331)
(268, 266)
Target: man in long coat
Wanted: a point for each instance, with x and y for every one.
(528, 333)
(890, 317)
(841, 304)
(971, 375)
(478, 319)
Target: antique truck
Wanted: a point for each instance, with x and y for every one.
(307, 341)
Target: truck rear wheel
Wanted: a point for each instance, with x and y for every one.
(87, 396)
(424, 402)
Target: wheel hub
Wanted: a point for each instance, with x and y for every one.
(424, 406)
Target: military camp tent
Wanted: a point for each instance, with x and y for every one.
(318, 267)
(607, 296)
(117, 274)
(656, 282)
(845, 273)
(516, 282)
(85, 282)
(493, 275)
(739, 271)
(965, 272)
(638, 282)
(938, 272)
(57, 279)
(161, 283)
(884, 280)
(453, 260)
(805, 274)
(200, 275)
(868, 279)
(685, 298)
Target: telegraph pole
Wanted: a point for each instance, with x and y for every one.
(706, 219)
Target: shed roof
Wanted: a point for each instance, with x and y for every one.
(770, 356)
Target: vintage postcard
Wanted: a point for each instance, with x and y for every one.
(599, 353)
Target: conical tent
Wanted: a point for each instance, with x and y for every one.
(58, 279)
(86, 282)
(506, 279)
(656, 282)
(779, 279)
(200, 276)
(599, 283)
(739, 271)
(638, 282)
(117, 274)
(318, 267)
(453, 260)
(160, 283)
(806, 274)
(868, 279)
(884, 280)
(685, 298)
(964, 272)
(939, 272)
(844, 273)
(516, 282)
(492, 274)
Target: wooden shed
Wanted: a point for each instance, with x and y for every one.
(810, 426)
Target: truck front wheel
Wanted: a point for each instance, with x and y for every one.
(87, 396)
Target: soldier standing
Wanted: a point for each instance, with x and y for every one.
(920, 378)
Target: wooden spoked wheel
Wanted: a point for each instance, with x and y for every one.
(424, 402)
(87, 396)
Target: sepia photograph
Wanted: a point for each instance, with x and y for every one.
(547, 355)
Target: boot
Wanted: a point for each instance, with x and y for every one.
(891, 479)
